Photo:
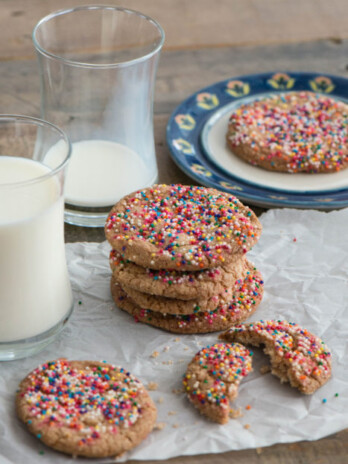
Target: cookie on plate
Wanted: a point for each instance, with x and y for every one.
(245, 299)
(297, 356)
(85, 408)
(181, 227)
(291, 132)
(213, 376)
(171, 283)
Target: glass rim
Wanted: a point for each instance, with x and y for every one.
(83, 64)
(13, 118)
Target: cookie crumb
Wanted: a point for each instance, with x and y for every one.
(177, 391)
(177, 339)
(235, 413)
(265, 369)
(172, 413)
(186, 348)
(159, 426)
(152, 386)
(258, 450)
(247, 426)
(160, 400)
(168, 363)
(166, 348)
(175, 426)
(155, 354)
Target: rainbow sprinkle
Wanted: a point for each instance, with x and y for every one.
(226, 364)
(186, 225)
(306, 353)
(166, 276)
(308, 131)
(91, 399)
(247, 294)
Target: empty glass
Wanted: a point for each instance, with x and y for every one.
(98, 66)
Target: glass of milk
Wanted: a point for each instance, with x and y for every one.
(35, 293)
(98, 66)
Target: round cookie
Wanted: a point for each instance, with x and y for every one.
(85, 408)
(181, 227)
(213, 376)
(291, 132)
(297, 356)
(184, 285)
(166, 305)
(245, 300)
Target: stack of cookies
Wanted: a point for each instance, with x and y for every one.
(179, 258)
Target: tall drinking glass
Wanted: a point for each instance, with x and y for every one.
(35, 293)
(98, 66)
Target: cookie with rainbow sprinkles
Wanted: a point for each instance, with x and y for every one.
(181, 227)
(85, 408)
(291, 132)
(167, 305)
(173, 283)
(297, 356)
(213, 376)
(246, 296)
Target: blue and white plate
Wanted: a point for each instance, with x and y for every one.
(196, 134)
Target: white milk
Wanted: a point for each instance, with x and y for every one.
(35, 291)
(101, 172)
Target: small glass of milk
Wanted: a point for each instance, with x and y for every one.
(98, 67)
(35, 293)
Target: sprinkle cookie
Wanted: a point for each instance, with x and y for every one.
(166, 305)
(291, 132)
(297, 356)
(213, 377)
(185, 285)
(247, 296)
(181, 227)
(85, 408)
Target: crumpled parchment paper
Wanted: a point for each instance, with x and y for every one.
(303, 256)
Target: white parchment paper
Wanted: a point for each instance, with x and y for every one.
(303, 257)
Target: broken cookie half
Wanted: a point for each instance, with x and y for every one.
(213, 376)
(297, 356)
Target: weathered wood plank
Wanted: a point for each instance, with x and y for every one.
(195, 23)
(330, 450)
(181, 73)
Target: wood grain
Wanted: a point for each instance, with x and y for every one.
(195, 23)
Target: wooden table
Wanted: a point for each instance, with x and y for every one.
(206, 41)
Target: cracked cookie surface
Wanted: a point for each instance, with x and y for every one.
(177, 306)
(297, 356)
(181, 227)
(291, 132)
(245, 300)
(170, 283)
(85, 408)
(213, 376)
